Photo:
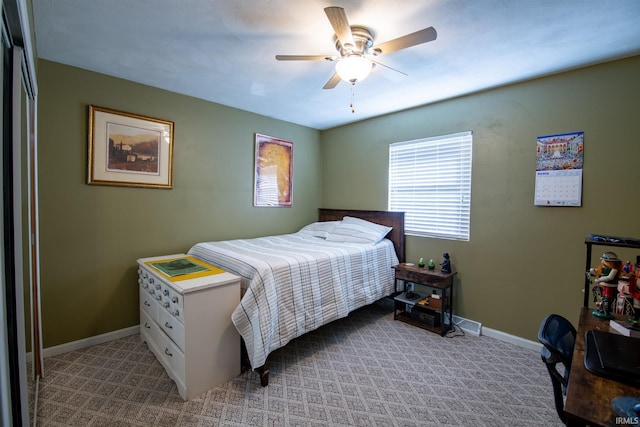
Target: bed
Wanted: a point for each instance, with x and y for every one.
(295, 283)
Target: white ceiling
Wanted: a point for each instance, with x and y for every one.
(224, 50)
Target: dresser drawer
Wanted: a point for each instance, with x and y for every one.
(148, 304)
(172, 301)
(172, 327)
(149, 330)
(166, 351)
(148, 281)
(173, 359)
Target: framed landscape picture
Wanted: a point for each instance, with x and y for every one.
(129, 150)
(273, 177)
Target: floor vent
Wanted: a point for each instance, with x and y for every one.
(469, 326)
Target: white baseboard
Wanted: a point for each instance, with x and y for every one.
(475, 328)
(99, 339)
(503, 336)
(87, 342)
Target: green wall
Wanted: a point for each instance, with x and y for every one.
(522, 261)
(91, 236)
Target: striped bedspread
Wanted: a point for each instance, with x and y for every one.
(296, 283)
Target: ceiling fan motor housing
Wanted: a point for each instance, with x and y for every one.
(363, 41)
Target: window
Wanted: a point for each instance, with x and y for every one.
(430, 180)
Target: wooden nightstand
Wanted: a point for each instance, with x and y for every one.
(424, 311)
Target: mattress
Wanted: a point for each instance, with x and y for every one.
(296, 283)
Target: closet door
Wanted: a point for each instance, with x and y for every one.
(19, 302)
(18, 325)
(8, 357)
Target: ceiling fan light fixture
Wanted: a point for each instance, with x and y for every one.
(353, 68)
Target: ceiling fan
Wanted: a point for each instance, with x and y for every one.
(356, 49)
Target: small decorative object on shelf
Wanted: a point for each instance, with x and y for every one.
(421, 263)
(627, 270)
(634, 282)
(445, 267)
(432, 265)
(605, 283)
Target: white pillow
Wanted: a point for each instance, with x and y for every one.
(358, 230)
(320, 229)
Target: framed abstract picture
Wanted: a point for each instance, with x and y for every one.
(273, 176)
(129, 150)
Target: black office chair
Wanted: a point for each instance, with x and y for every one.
(558, 337)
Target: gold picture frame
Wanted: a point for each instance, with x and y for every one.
(129, 150)
(273, 177)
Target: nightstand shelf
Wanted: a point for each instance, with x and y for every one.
(436, 314)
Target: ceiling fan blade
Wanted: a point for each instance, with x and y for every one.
(340, 24)
(333, 82)
(423, 36)
(305, 58)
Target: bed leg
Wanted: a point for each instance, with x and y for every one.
(245, 364)
(263, 371)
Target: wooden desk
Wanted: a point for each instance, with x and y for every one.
(589, 395)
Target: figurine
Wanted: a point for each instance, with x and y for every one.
(634, 281)
(626, 291)
(445, 267)
(606, 283)
(627, 271)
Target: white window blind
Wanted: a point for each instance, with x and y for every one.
(430, 180)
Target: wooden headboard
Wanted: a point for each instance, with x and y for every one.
(390, 219)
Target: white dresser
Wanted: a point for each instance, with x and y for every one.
(186, 322)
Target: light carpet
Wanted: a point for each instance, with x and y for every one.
(363, 370)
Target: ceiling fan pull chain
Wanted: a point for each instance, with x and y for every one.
(353, 85)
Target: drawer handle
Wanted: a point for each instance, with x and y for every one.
(167, 325)
(174, 300)
(146, 325)
(166, 351)
(176, 313)
(146, 303)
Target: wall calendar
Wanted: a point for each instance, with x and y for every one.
(559, 170)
